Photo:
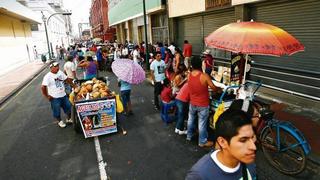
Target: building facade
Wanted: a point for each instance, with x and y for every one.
(297, 74)
(127, 17)
(59, 27)
(16, 45)
(99, 21)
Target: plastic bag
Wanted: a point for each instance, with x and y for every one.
(71, 97)
(218, 112)
(119, 104)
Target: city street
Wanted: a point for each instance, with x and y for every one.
(32, 146)
(262, 54)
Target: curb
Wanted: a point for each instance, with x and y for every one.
(22, 84)
(314, 158)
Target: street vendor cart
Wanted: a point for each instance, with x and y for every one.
(94, 108)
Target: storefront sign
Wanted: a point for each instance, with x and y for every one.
(97, 117)
(237, 65)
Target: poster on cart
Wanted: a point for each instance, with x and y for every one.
(97, 117)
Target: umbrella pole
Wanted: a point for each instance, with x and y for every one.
(245, 69)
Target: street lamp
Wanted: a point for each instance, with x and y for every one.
(46, 22)
(44, 19)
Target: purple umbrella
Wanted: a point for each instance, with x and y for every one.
(127, 70)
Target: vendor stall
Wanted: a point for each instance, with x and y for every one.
(94, 108)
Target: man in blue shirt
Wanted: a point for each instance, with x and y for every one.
(234, 159)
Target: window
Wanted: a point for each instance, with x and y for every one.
(34, 27)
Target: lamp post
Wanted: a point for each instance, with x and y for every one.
(45, 28)
(46, 22)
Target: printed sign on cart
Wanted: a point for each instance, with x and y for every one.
(97, 117)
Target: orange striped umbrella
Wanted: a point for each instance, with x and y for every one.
(254, 38)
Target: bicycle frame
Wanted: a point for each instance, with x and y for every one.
(287, 126)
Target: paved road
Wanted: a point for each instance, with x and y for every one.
(33, 147)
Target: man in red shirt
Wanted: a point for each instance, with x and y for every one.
(207, 61)
(187, 53)
(198, 83)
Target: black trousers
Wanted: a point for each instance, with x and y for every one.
(157, 91)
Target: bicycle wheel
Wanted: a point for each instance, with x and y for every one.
(290, 159)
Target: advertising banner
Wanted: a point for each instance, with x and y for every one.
(97, 117)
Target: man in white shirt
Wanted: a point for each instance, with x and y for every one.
(136, 55)
(53, 89)
(69, 69)
(172, 48)
(157, 68)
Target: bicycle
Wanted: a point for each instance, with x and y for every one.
(283, 145)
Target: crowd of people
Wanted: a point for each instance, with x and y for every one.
(180, 80)
(184, 81)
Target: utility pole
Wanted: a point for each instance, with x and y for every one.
(146, 34)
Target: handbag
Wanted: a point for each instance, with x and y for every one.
(218, 112)
(119, 104)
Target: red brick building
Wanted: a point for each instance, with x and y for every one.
(99, 20)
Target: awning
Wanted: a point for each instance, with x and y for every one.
(17, 10)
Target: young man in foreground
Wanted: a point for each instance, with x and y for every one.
(234, 160)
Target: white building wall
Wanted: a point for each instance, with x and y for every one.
(56, 27)
(185, 7)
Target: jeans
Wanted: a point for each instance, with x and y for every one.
(203, 114)
(157, 92)
(208, 71)
(90, 76)
(125, 98)
(57, 103)
(182, 108)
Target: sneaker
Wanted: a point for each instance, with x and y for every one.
(69, 121)
(188, 138)
(61, 124)
(182, 132)
(207, 144)
(176, 130)
(156, 108)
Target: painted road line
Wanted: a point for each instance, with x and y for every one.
(101, 163)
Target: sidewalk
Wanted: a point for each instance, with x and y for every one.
(13, 81)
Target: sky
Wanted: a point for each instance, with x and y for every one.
(80, 12)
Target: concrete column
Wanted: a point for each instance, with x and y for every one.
(149, 29)
(122, 26)
(172, 30)
(241, 12)
(130, 31)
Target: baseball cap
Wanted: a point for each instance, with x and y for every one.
(207, 51)
(53, 63)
